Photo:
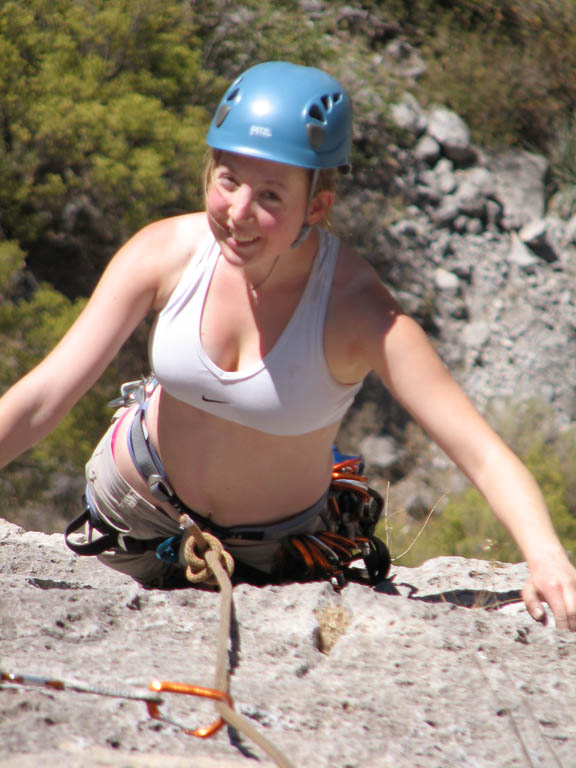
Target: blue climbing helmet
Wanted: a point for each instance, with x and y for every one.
(286, 113)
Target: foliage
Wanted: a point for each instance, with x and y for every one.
(103, 112)
(237, 35)
(30, 328)
(104, 106)
(466, 525)
(508, 67)
(11, 261)
(563, 153)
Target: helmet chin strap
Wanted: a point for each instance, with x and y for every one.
(307, 228)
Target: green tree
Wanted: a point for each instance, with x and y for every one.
(103, 111)
(102, 129)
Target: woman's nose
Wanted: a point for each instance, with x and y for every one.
(241, 204)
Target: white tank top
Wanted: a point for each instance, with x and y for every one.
(289, 392)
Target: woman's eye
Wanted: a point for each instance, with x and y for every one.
(227, 181)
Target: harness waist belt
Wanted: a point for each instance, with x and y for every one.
(111, 537)
(150, 467)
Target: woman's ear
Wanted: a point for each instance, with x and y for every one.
(320, 205)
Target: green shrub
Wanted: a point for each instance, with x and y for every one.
(563, 154)
(467, 527)
(507, 68)
(103, 104)
(30, 326)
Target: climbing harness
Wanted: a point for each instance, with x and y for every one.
(351, 513)
(350, 517)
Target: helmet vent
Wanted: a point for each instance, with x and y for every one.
(329, 101)
(316, 113)
(221, 114)
(232, 95)
(315, 135)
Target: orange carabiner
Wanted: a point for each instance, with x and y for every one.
(348, 465)
(165, 686)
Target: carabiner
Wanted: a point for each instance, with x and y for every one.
(166, 686)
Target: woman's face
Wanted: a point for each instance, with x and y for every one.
(255, 207)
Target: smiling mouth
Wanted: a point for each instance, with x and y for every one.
(241, 240)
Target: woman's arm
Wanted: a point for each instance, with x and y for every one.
(399, 351)
(137, 280)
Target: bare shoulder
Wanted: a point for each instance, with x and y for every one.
(160, 251)
(174, 232)
(361, 312)
(359, 291)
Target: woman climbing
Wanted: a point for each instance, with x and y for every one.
(266, 327)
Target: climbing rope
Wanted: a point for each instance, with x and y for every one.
(195, 548)
(209, 563)
(206, 556)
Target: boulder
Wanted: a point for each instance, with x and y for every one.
(409, 115)
(451, 133)
(520, 179)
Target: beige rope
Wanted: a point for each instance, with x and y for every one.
(218, 565)
(195, 550)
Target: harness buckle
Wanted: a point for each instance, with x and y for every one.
(160, 488)
(132, 392)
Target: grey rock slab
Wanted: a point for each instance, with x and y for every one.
(416, 672)
(74, 755)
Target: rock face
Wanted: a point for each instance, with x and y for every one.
(415, 673)
(484, 259)
(486, 264)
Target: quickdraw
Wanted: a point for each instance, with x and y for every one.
(150, 697)
(354, 508)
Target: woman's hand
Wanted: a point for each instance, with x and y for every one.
(552, 581)
(401, 353)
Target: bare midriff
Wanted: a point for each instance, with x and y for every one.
(227, 472)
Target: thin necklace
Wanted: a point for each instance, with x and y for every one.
(254, 287)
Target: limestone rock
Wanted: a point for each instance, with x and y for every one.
(520, 185)
(438, 666)
(451, 133)
(409, 115)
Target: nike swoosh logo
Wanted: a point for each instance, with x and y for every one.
(212, 400)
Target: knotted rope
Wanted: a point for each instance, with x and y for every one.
(196, 547)
(218, 565)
